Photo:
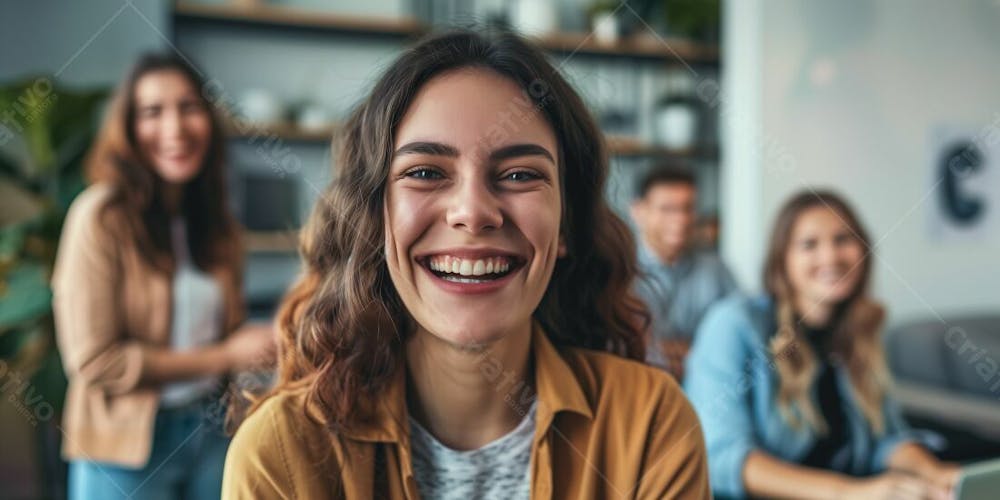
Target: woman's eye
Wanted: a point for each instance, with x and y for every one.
(425, 174)
(190, 107)
(844, 239)
(522, 176)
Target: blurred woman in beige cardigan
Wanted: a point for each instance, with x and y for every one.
(147, 296)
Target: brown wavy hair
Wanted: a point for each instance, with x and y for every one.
(137, 191)
(343, 325)
(856, 324)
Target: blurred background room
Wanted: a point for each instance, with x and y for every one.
(894, 103)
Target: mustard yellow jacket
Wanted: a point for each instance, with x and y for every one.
(606, 427)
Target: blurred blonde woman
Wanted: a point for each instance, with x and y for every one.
(147, 297)
(791, 387)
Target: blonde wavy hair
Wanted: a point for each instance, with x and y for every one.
(856, 327)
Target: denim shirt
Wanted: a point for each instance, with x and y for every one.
(679, 295)
(733, 383)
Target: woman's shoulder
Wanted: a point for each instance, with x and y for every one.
(281, 416)
(277, 448)
(646, 421)
(737, 315)
(92, 199)
(623, 384)
(89, 229)
(90, 210)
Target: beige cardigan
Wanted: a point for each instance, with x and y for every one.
(111, 308)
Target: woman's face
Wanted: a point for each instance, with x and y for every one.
(172, 126)
(824, 260)
(473, 208)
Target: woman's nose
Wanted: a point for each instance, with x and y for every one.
(171, 125)
(830, 254)
(473, 207)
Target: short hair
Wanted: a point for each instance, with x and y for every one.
(666, 173)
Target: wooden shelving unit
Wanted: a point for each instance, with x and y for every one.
(617, 145)
(646, 46)
(261, 18)
(630, 147)
(265, 15)
(271, 241)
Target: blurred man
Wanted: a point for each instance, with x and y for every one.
(679, 282)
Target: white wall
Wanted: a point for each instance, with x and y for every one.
(80, 43)
(848, 95)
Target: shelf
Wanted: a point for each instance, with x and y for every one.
(630, 147)
(621, 146)
(645, 45)
(271, 241)
(289, 17)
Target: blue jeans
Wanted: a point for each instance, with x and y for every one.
(189, 451)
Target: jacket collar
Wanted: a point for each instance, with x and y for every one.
(557, 386)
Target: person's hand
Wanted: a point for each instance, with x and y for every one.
(944, 475)
(251, 347)
(895, 486)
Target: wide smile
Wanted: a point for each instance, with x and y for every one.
(178, 155)
(479, 274)
(831, 277)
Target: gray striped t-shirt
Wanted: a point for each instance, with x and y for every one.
(498, 470)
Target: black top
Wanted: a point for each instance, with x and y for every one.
(831, 451)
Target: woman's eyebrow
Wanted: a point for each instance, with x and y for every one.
(517, 150)
(497, 155)
(426, 148)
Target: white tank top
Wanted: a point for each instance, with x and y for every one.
(196, 320)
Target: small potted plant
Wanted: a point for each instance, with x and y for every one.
(694, 19)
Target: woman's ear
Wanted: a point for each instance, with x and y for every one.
(562, 252)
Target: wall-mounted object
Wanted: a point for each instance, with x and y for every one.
(964, 184)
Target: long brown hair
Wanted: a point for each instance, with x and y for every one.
(137, 191)
(343, 325)
(856, 326)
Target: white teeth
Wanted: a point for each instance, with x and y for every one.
(457, 279)
(479, 267)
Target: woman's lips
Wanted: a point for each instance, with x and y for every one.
(466, 280)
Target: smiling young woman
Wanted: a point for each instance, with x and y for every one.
(464, 327)
(792, 388)
(147, 297)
